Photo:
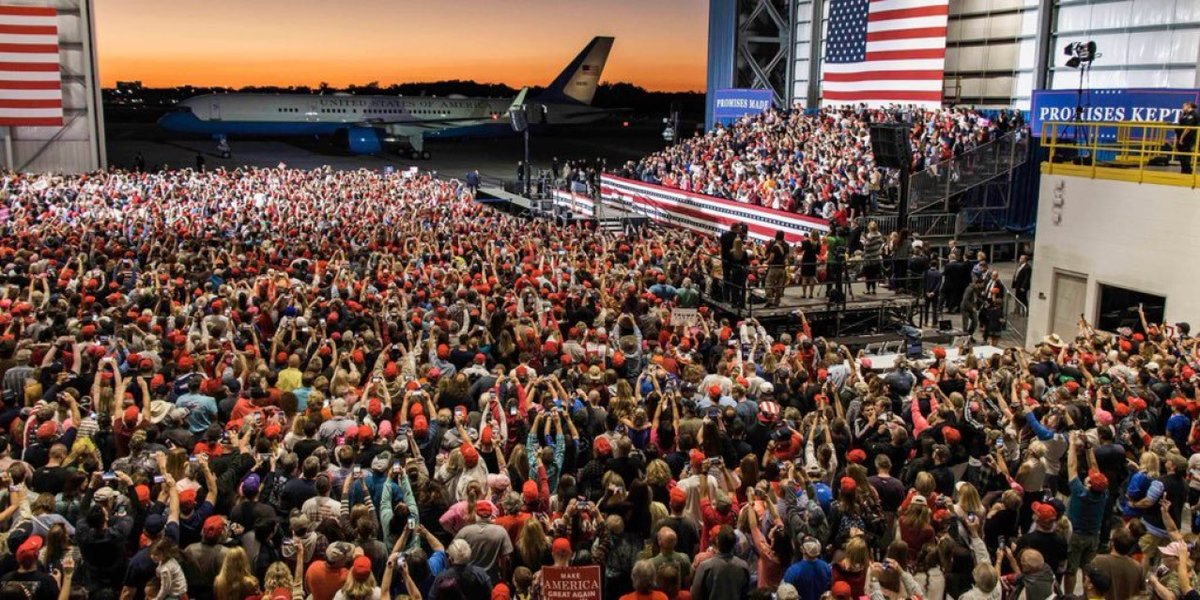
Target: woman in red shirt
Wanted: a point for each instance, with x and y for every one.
(915, 527)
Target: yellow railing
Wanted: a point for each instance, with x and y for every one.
(1141, 152)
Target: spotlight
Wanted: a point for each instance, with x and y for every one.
(1081, 53)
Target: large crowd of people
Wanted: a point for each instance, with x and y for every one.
(270, 383)
(812, 162)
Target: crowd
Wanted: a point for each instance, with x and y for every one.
(813, 163)
(276, 384)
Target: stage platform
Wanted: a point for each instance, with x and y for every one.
(861, 320)
(793, 301)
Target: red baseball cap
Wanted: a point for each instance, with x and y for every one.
(1044, 513)
(848, 485)
(1097, 481)
(362, 568)
(214, 527)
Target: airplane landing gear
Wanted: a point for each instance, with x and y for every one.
(419, 155)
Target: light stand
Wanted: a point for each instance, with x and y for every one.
(1082, 55)
(519, 118)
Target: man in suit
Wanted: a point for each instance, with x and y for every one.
(931, 285)
(726, 241)
(1021, 279)
(1185, 137)
(956, 277)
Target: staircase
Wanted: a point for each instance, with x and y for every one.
(934, 187)
(949, 197)
(612, 225)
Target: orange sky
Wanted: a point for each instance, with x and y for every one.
(660, 44)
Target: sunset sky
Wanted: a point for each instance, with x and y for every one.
(660, 44)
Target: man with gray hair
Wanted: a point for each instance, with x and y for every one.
(668, 556)
(337, 426)
(461, 579)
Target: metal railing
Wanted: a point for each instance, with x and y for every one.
(1016, 316)
(937, 183)
(1140, 152)
(944, 224)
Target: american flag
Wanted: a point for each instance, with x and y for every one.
(30, 81)
(881, 52)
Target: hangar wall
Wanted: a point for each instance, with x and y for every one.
(78, 145)
(999, 51)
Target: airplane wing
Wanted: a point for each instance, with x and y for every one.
(412, 125)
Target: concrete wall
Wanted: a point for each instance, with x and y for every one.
(1137, 236)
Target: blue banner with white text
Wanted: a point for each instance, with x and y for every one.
(732, 104)
(1156, 105)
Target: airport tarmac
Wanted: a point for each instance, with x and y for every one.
(492, 157)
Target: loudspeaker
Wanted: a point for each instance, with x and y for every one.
(889, 142)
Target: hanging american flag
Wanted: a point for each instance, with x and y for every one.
(30, 81)
(881, 52)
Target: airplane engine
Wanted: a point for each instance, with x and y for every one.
(360, 140)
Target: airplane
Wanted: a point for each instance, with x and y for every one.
(371, 124)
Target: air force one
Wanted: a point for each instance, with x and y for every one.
(371, 124)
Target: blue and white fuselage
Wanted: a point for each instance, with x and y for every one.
(368, 123)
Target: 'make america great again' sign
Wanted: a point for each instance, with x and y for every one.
(571, 583)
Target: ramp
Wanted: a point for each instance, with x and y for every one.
(491, 195)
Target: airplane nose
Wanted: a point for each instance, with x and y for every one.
(177, 120)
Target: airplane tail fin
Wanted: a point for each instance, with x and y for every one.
(579, 80)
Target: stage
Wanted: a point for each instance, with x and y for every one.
(878, 313)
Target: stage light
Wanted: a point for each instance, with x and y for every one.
(1081, 53)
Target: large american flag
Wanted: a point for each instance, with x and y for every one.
(881, 52)
(30, 81)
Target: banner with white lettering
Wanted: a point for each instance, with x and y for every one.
(1155, 105)
(732, 104)
(571, 583)
(686, 317)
